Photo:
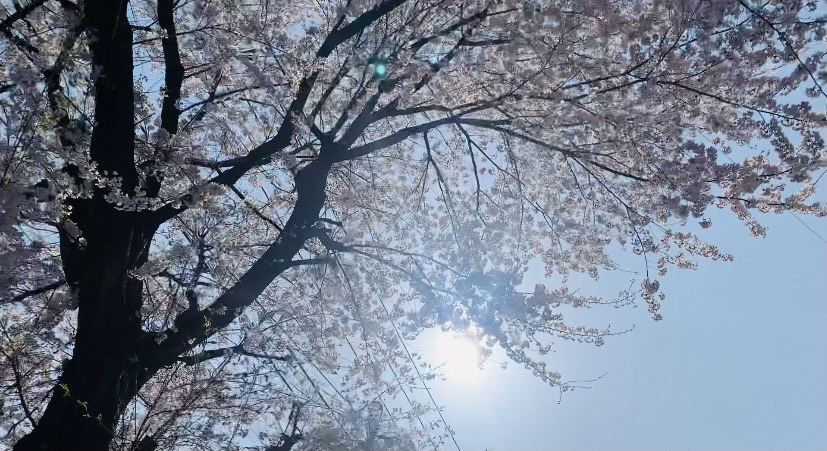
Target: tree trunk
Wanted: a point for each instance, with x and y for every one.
(100, 246)
(103, 374)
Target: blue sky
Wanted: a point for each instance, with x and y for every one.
(739, 361)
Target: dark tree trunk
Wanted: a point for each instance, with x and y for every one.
(113, 357)
(103, 374)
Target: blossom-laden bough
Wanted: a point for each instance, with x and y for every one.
(221, 221)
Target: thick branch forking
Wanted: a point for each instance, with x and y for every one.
(260, 154)
(194, 329)
(311, 181)
(278, 143)
(360, 122)
(367, 116)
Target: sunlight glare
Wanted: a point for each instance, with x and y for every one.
(459, 358)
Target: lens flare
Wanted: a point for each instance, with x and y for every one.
(459, 358)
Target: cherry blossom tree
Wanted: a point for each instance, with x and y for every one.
(221, 221)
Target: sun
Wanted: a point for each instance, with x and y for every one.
(458, 357)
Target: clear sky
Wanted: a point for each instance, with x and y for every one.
(739, 361)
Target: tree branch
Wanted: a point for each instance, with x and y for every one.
(340, 35)
(18, 385)
(208, 354)
(258, 155)
(279, 142)
(19, 14)
(113, 137)
(194, 329)
(787, 44)
(406, 132)
(174, 74)
(33, 292)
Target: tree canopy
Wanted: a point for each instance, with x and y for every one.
(222, 221)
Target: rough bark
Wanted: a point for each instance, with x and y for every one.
(101, 378)
(102, 375)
